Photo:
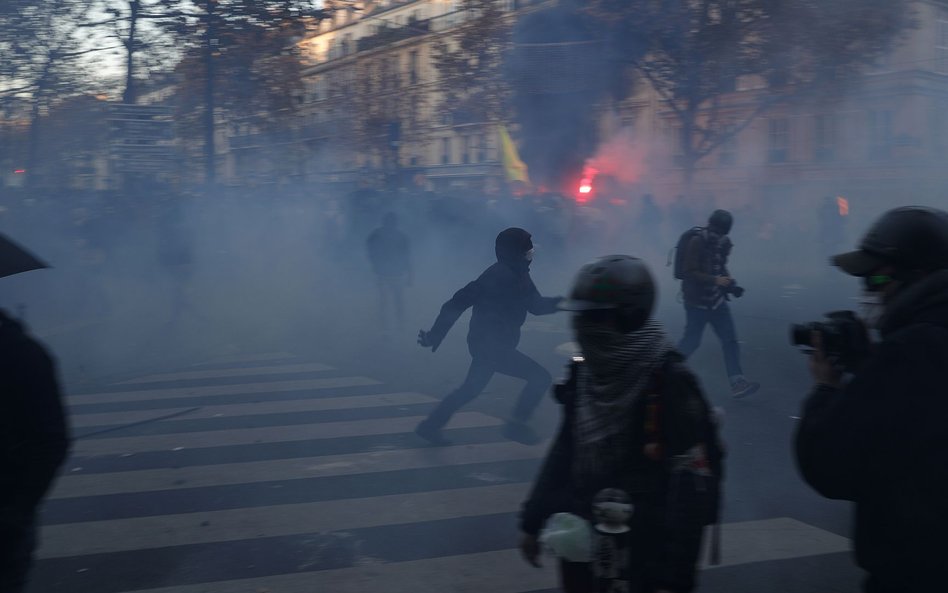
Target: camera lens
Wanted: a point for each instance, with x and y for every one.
(800, 335)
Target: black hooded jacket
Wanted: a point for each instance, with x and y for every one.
(34, 438)
(882, 440)
(501, 297)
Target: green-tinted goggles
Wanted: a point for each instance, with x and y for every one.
(878, 280)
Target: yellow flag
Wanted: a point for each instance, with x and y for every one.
(515, 168)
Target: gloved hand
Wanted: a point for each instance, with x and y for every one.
(530, 549)
(737, 291)
(426, 340)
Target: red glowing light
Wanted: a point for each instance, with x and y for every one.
(843, 205)
(19, 171)
(585, 188)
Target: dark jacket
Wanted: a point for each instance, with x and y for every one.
(881, 441)
(389, 252)
(501, 297)
(34, 438)
(698, 277)
(667, 537)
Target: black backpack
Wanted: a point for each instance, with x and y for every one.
(677, 253)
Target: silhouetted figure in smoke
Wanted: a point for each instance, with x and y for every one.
(706, 287)
(390, 254)
(34, 441)
(501, 297)
(650, 226)
(176, 254)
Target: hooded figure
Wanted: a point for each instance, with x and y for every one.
(500, 297)
(34, 441)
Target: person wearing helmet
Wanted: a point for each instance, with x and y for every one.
(501, 297)
(612, 435)
(706, 287)
(877, 436)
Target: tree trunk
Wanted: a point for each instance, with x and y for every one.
(209, 148)
(131, 93)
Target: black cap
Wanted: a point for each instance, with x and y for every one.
(910, 238)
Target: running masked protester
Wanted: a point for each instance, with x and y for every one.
(33, 445)
(707, 287)
(501, 297)
(635, 422)
(873, 429)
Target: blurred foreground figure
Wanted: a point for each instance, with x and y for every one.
(33, 445)
(874, 431)
(390, 254)
(501, 297)
(635, 420)
(707, 285)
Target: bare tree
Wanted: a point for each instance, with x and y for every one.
(695, 52)
(41, 43)
(469, 61)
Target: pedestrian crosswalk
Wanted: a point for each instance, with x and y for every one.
(277, 475)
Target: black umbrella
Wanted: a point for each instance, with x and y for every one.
(14, 259)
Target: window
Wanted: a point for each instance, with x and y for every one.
(466, 149)
(824, 138)
(481, 148)
(445, 151)
(941, 47)
(880, 134)
(778, 140)
(413, 67)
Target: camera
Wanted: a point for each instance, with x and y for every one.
(737, 291)
(845, 338)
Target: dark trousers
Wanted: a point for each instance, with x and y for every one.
(391, 291)
(17, 541)
(509, 362)
(723, 325)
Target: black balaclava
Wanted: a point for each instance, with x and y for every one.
(720, 222)
(512, 246)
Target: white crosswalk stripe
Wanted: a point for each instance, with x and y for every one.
(255, 408)
(148, 526)
(228, 373)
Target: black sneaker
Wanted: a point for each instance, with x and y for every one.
(742, 388)
(520, 432)
(431, 434)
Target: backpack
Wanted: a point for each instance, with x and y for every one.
(677, 253)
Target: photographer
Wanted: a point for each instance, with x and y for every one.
(875, 432)
(706, 285)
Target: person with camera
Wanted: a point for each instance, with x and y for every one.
(635, 420)
(706, 286)
(873, 429)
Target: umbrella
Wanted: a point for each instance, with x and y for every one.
(14, 259)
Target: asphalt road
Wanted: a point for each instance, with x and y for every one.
(249, 468)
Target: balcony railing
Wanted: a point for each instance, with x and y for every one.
(393, 34)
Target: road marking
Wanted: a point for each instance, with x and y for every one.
(254, 408)
(312, 367)
(776, 539)
(77, 484)
(239, 358)
(116, 535)
(218, 390)
(269, 434)
(503, 571)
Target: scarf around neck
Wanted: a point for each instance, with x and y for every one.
(618, 368)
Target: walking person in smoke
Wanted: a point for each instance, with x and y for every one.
(501, 297)
(390, 254)
(707, 286)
